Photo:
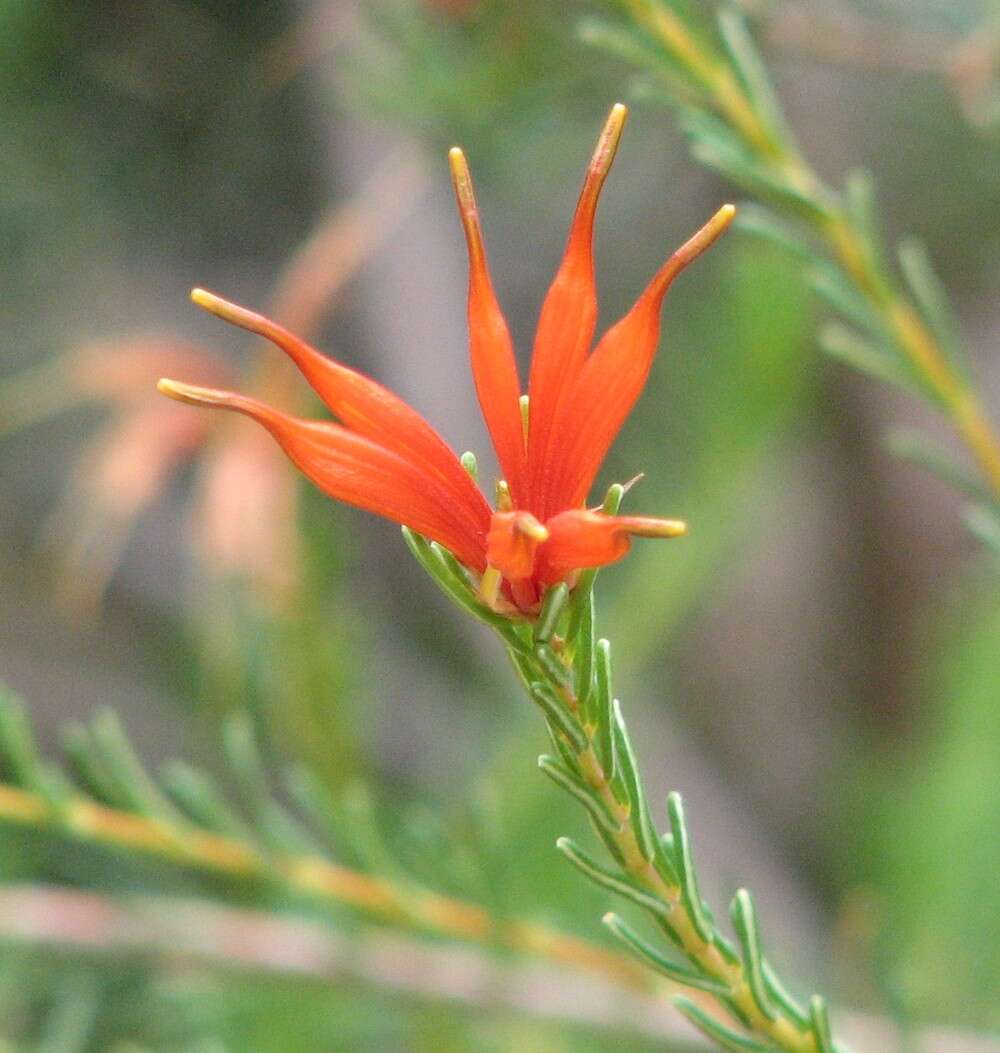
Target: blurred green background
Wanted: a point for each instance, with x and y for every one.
(816, 667)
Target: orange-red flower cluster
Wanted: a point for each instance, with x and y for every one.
(384, 457)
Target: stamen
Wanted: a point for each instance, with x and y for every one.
(193, 395)
(489, 587)
(525, 403)
(505, 502)
(643, 526)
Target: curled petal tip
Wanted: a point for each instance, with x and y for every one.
(607, 143)
(643, 526)
(226, 310)
(191, 394)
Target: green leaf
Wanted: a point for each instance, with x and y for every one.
(616, 883)
(650, 956)
(715, 1031)
(983, 522)
(552, 610)
(878, 361)
(862, 208)
(641, 823)
(197, 794)
(915, 446)
(688, 877)
(821, 1025)
(602, 711)
(134, 785)
(748, 934)
(781, 995)
(575, 786)
(832, 285)
(558, 716)
(554, 667)
(746, 59)
(932, 299)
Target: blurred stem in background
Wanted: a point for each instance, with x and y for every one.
(731, 113)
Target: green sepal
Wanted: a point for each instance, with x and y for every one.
(552, 610)
(557, 715)
(641, 822)
(650, 956)
(715, 1031)
(17, 745)
(748, 935)
(616, 883)
(574, 786)
(820, 1024)
(687, 876)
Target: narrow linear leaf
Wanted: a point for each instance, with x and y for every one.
(650, 956)
(602, 710)
(784, 998)
(762, 222)
(744, 918)
(87, 766)
(555, 668)
(616, 883)
(878, 361)
(552, 610)
(583, 658)
(641, 822)
(821, 1024)
(558, 716)
(715, 1031)
(688, 877)
(575, 787)
(983, 523)
(831, 285)
(932, 299)
(743, 51)
(862, 207)
(123, 766)
(198, 795)
(17, 743)
(913, 445)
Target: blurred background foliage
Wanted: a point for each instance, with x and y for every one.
(816, 666)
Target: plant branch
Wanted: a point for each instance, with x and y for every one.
(731, 113)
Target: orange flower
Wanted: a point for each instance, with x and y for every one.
(384, 457)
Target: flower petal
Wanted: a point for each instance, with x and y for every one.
(613, 377)
(364, 406)
(581, 538)
(494, 366)
(353, 469)
(568, 316)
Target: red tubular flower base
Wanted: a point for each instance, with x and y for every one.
(385, 458)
